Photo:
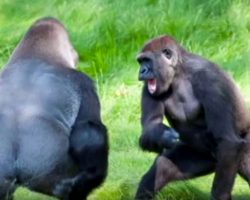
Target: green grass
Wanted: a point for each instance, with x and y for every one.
(108, 35)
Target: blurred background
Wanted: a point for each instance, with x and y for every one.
(108, 34)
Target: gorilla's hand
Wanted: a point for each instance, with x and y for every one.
(170, 138)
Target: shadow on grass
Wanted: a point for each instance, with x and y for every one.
(25, 194)
(184, 191)
(125, 190)
(242, 197)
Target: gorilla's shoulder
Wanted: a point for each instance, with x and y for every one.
(82, 79)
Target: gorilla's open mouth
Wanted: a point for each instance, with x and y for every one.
(152, 86)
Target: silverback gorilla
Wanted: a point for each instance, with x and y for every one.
(204, 106)
(52, 139)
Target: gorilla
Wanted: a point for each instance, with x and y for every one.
(52, 139)
(200, 102)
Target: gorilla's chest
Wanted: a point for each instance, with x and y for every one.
(182, 106)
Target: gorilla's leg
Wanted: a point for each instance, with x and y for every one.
(4, 187)
(7, 188)
(181, 163)
(89, 148)
(7, 174)
(244, 170)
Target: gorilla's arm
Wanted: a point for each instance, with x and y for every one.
(155, 135)
(88, 147)
(215, 95)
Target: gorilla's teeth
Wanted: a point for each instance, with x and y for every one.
(152, 86)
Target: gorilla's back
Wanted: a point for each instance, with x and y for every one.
(38, 106)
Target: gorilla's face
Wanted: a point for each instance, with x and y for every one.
(158, 62)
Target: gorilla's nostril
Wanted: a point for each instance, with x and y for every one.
(144, 70)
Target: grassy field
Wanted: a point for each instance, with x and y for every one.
(108, 34)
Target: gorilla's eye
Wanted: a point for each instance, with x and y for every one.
(167, 53)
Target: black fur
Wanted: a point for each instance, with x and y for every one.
(52, 139)
(204, 106)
